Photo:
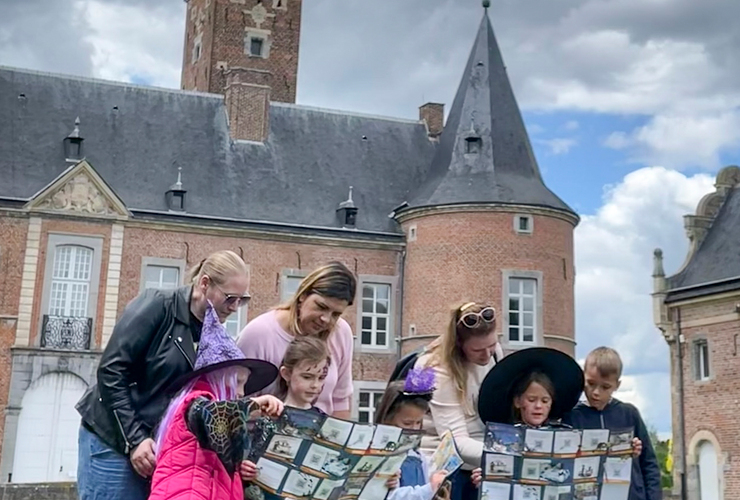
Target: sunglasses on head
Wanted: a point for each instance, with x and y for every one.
(472, 319)
(231, 299)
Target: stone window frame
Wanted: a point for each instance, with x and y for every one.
(696, 344)
(161, 262)
(287, 274)
(197, 49)
(280, 4)
(517, 224)
(370, 386)
(413, 230)
(256, 33)
(94, 243)
(538, 322)
(393, 318)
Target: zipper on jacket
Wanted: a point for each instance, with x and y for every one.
(601, 416)
(123, 434)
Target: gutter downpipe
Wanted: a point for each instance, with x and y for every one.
(681, 403)
(399, 340)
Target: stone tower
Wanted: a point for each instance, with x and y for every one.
(484, 227)
(255, 41)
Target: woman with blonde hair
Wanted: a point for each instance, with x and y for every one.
(461, 358)
(315, 310)
(153, 344)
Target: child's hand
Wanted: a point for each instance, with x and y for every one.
(477, 477)
(269, 405)
(248, 471)
(636, 447)
(393, 481)
(437, 479)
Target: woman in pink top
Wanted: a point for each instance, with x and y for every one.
(314, 310)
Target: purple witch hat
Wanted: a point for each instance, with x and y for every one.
(217, 350)
(419, 382)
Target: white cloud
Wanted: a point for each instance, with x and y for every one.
(571, 125)
(560, 146)
(614, 263)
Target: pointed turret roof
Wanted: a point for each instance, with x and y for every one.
(484, 154)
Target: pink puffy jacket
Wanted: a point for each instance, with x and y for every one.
(185, 471)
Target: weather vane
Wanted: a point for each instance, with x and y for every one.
(486, 4)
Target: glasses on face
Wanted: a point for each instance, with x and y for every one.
(472, 319)
(230, 299)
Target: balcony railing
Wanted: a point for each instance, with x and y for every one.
(58, 332)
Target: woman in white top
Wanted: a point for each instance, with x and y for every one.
(461, 359)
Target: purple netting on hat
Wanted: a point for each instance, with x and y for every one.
(419, 381)
(216, 345)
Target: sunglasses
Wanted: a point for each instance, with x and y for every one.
(472, 319)
(230, 299)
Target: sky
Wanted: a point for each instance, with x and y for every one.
(632, 107)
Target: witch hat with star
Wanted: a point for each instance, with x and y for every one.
(217, 350)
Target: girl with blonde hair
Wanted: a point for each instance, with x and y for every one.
(314, 311)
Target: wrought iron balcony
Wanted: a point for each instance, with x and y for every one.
(58, 332)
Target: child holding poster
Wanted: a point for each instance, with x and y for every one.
(404, 405)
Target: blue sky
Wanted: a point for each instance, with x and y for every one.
(632, 107)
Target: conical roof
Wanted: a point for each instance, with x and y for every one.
(484, 154)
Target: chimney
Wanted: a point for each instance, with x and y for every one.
(434, 115)
(247, 96)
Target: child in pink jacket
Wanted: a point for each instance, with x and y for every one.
(202, 439)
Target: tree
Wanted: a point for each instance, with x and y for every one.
(662, 451)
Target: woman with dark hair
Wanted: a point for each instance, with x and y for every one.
(153, 343)
(315, 310)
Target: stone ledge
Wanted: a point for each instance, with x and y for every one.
(39, 491)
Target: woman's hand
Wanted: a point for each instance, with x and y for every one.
(437, 479)
(269, 405)
(248, 471)
(636, 447)
(477, 477)
(393, 481)
(143, 458)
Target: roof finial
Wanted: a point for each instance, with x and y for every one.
(658, 263)
(179, 178)
(486, 4)
(350, 194)
(76, 131)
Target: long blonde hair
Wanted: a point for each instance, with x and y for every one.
(219, 267)
(333, 280)
(446, 350)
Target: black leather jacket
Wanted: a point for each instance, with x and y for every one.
(151, 346)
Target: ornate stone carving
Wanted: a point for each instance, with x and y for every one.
(79, 194)
(259, 15)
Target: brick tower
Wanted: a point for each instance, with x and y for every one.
(484, 226)
(258, 39)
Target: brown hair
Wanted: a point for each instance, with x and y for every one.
(521, 387)
(302, 349)
(606, 360)
(333, 280)
(394, 399)
(447, 349)
(219, 267)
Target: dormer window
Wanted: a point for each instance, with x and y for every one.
(472, 145)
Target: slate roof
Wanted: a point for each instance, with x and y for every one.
(137, 137)
(505, 170)
(715, 266)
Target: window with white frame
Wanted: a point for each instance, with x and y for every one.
(234, 323)
(367, 402)
(523, 224)
(162, 277)
(376, 315)
(701, 360)
(70, 282)
(289, 286)
(522, 310)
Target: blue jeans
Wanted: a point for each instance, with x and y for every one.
(105, 474)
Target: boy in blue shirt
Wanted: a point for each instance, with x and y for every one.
(602, 371)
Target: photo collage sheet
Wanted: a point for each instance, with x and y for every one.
(309, 455)
(555, 464)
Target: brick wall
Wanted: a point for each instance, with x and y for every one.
(713, 405)
(459, 257)
(221, 25)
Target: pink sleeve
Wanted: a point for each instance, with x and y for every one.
(345, 346)
(251, 340)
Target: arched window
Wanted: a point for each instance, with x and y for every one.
(708, 471)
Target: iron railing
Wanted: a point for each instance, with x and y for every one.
(59, 332)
